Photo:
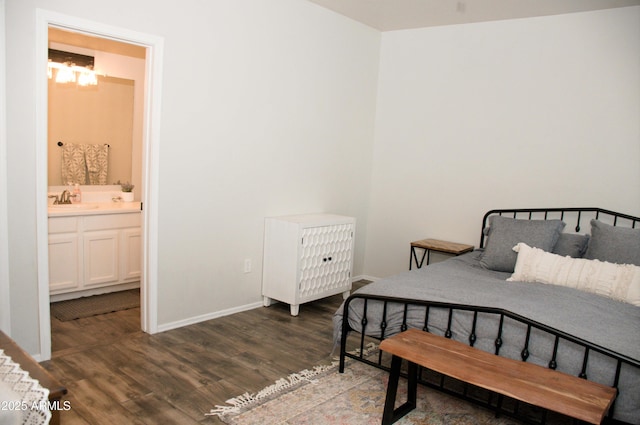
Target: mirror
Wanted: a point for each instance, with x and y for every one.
(100, 114)
(109, 113)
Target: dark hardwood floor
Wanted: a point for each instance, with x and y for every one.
(117, 374)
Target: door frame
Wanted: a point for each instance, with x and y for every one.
(150, 156)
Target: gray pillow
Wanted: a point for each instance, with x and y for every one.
(571, 245)
(505, 233)
(613, 244)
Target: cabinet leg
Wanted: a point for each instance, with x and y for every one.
(346, 294)
(295, 309)
(266, 301)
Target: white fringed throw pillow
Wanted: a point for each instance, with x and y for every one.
(618, 281)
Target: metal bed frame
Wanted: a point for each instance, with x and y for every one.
(570, 215)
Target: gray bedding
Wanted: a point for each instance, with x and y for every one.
(461, 280)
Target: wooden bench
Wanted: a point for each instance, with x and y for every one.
(36, 371)
(552, 390)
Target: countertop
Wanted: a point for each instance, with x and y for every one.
(93, 208)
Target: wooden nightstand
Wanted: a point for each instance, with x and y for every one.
(428, 245)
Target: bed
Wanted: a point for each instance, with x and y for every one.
(583, 320)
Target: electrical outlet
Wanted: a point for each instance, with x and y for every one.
(247, 266)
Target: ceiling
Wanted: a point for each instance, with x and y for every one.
(86, 41)
(389, 15)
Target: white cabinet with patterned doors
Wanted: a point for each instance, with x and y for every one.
(307, 257)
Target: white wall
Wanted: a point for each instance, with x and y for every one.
(21, 173)
(523, 113)
(5, 293)
(266, 111)
(277, 118)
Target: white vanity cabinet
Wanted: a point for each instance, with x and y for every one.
(65, 255)
(130, 253)
(93, 251)
(307, 257)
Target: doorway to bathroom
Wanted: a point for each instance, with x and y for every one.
(95, 111)
(118, 50)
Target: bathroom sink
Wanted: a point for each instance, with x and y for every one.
(73, 207)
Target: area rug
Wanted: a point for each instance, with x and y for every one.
(324, 396)
(96, 304)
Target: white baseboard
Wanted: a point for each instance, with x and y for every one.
(208, 316)
(222, 313)
(93, 291)
(364, 277)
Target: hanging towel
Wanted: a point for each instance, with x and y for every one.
(97, 159)
(73, 164)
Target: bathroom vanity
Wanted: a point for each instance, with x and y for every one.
(94, 248)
